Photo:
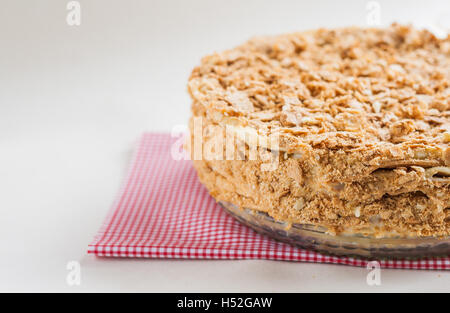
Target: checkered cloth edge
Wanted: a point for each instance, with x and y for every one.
(163, 211)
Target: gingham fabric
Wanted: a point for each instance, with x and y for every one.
(163, 211)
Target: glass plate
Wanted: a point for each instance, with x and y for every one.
(311, 238)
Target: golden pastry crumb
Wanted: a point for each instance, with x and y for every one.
(362, 121)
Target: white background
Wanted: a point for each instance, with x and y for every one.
(74, 99)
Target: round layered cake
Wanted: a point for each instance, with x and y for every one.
(346, 130)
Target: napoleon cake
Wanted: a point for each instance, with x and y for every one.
(345, 129)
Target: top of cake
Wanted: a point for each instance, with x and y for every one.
(348, 88)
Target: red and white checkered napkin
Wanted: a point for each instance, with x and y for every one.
(162, 211)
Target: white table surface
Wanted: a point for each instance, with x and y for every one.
(74, 99)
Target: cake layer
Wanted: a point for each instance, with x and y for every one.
(405, 200)
(347, 129)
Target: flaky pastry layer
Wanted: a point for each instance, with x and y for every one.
(362, 119)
